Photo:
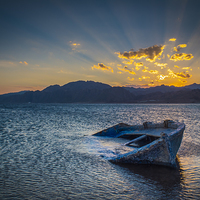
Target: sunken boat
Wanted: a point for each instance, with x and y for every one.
(150, 143)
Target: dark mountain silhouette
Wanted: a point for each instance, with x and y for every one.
(181, 96)
(52, 88)
(15, 93)
(85, 85)
(96, 92)
(193, 86)
(78, 85)
(162, 89)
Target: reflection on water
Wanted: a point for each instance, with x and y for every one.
(47, 152)
(190, 167)
(158, 174)
(167, 179)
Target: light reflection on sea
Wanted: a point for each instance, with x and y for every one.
(47, 152)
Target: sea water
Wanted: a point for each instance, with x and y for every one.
(47, 152)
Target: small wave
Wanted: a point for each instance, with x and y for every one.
(189, 149)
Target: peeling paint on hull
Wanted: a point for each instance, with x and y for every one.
(166, 139)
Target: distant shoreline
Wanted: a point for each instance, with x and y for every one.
(96, 92)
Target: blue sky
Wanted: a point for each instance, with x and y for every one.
(55, 42)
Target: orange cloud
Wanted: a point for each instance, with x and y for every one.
(171, 73)
(144, 78)
(130, 79)
(179, 47)
(140, 64)
(179, 75)
(74, 45)
(182, 81)
(137, 68)
(153, 72)
(172, 39)
(182, 45)
(162, 65)
(126, 69)
(152, 53)
(23, 62)
(176, 66)
(183, 75)
(128, 62)
(181, 56)
(185, 67)
(145, 69)
(101, 66)
(162, 77)
(151, 84)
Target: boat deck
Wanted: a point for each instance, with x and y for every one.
(156, 132)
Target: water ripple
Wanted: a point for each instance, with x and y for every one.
(46, 152)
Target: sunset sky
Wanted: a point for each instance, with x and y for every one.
(121, 43)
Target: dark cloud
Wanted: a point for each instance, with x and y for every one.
(179, 74)
(181, 56)
(183, 75)
(102, 67)
(179, 47)
(126, 69)
(152, 53)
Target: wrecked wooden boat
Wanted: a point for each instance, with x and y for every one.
(146, 144)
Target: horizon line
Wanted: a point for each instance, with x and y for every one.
(127, 86)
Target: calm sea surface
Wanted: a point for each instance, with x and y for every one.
(47, 152)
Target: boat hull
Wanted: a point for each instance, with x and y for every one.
(162, 151)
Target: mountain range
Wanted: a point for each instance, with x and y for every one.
(96, 92)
